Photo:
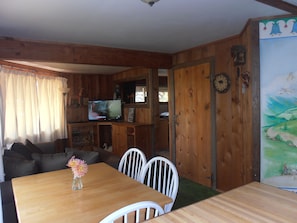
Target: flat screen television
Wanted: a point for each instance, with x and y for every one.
(104, 110)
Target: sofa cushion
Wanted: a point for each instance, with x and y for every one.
(22, 149)
(51, 162)
(17, 167)
(89, 157)
(32, 147)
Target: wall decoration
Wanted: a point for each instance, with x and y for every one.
(85, 101)
(278, 92)
(221, 82)
(245, 78)
(74, 101)
(238, 53)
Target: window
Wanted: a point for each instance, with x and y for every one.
(163, 94)
(140, 94)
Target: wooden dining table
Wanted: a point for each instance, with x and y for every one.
(48, 197)
(254, 202)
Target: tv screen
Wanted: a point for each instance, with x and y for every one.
(100, 110)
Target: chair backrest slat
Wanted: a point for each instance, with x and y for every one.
(160, 174)
(132, 162)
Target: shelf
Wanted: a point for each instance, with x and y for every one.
(126, 135)
(82, 135)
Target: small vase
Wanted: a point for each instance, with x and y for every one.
(77, 183)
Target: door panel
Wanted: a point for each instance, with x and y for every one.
(193, 122)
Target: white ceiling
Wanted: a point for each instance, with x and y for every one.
(169, 26)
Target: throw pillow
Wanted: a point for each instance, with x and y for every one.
(10, 153)
(33, 148)
(22, 149)
(89, 157)
(17, 167)
(51, 162)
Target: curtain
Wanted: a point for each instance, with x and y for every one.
(33, 106)
(1, 139)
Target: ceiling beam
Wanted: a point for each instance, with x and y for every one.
(281, 5)
(12, 49)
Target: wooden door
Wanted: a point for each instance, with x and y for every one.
(192, 110)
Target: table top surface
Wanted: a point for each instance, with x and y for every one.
(254, 202)
(48, 197)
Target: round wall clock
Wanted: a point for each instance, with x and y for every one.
(221, 82)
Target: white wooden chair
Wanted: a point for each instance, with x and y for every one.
(160, 174)
(132, 162)
(135, 213)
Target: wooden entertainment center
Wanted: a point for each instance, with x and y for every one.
(86, 136)
(147, 132)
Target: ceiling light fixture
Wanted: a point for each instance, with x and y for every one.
(150, 2)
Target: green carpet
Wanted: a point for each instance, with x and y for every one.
(190, 192)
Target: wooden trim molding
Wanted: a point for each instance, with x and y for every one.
(12, 49)
(282, 5)
(255, 57)
(27, 68)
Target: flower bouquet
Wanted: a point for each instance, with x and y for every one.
(79, 169)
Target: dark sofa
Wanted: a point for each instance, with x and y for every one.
(29, 158)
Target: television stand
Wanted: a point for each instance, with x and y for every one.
(126, 135)
(86, 136)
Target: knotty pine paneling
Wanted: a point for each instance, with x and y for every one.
(232, 111)
(93, 86)
(229, 124)
(193, 122)
(251, 105)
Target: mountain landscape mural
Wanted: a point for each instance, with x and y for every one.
(278, 106)
(279, 126)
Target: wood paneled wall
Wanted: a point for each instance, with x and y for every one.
(233, 121)
(92, 86)
(144, 113)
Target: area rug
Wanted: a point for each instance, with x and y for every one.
(190, 192)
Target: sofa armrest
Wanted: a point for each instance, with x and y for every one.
(8, 204)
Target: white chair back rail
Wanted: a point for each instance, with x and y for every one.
(137, 212)
(161, 174)
(132, 162)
